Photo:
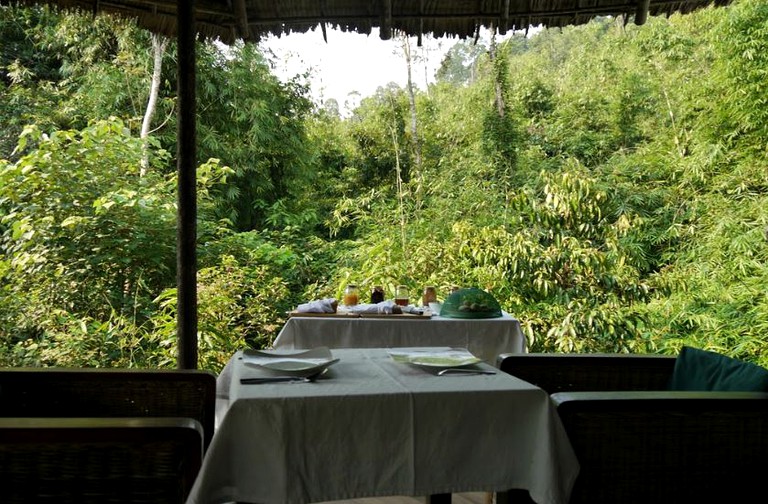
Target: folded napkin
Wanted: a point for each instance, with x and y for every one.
(387, 307)
(327, 305)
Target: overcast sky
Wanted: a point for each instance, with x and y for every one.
(351, 62)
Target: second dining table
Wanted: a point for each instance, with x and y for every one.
(487, 338)
(371, 426)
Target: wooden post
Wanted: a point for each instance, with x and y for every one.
(504, 19)
(641, 14)
(386, 21)
(241, 14)
(186, 230)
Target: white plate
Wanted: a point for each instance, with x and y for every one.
(439, 358)
(314, 353)
(302, 363)
(308, 366)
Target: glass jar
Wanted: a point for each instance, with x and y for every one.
(401, 295)
(429, 295)
(377, 294)
(351, 295)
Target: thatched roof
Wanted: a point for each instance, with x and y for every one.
(229, 20)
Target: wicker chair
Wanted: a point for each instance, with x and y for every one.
(98, 460)
(60, 392)
(636, 442)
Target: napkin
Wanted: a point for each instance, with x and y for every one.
(327, 305)
(387, 307)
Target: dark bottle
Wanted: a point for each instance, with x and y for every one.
(429, 295)
(377, 294)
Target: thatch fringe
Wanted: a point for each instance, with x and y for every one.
(229, 20)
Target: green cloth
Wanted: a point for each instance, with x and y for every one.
(702, 370)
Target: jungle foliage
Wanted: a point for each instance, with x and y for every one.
(617, 203)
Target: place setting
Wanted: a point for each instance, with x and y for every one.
(440, 361)
(265, 366)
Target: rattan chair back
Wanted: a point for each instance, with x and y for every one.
(60, 392)
(98, 460)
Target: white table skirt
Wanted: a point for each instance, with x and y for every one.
(485, 338)
(374, 427)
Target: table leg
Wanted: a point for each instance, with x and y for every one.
(444, 498)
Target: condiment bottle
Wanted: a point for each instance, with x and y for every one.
(377, 294)
(351, 295)
(429, 295)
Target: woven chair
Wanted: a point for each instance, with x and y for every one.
(64, 392)
(636, 442)
(590, 372)
(98, 460)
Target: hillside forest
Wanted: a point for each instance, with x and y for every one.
(607, 183)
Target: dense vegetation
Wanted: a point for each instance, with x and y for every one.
(607, 183)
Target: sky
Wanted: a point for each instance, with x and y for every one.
(351, 66)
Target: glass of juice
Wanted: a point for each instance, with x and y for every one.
(351, 295)
(401, 295)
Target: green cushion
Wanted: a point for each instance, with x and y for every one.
(701, 370)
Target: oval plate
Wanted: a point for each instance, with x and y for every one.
(314, 353)
(298, 366)
(434, 357)
(298, 363)
(445, 362)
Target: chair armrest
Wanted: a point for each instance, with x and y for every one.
(582, 372)
(641, 446)
(636, 400)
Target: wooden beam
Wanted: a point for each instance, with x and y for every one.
(386, 20)
(421, 23)
(504, 19)
(641, 14)
(186, 225)
(322, 23)
(241, 14)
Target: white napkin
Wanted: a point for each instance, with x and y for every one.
(327, 305)
(382, 307)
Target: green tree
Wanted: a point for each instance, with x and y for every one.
(460, 63)
(83, 232)
(253, 123)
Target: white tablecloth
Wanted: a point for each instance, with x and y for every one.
(374, 427)
(485, 338)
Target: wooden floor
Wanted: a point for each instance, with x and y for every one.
(459, 498)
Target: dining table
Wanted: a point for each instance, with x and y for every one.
(371, 426)
(485, 337)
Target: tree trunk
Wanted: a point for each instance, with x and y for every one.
(415, 143)
(496, 77)
(159, 43)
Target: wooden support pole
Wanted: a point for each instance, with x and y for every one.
(421, 23)
(186, 226)
(641, 15)
(322, 21)
(241, 14)
(386, 21)
(504, 19)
